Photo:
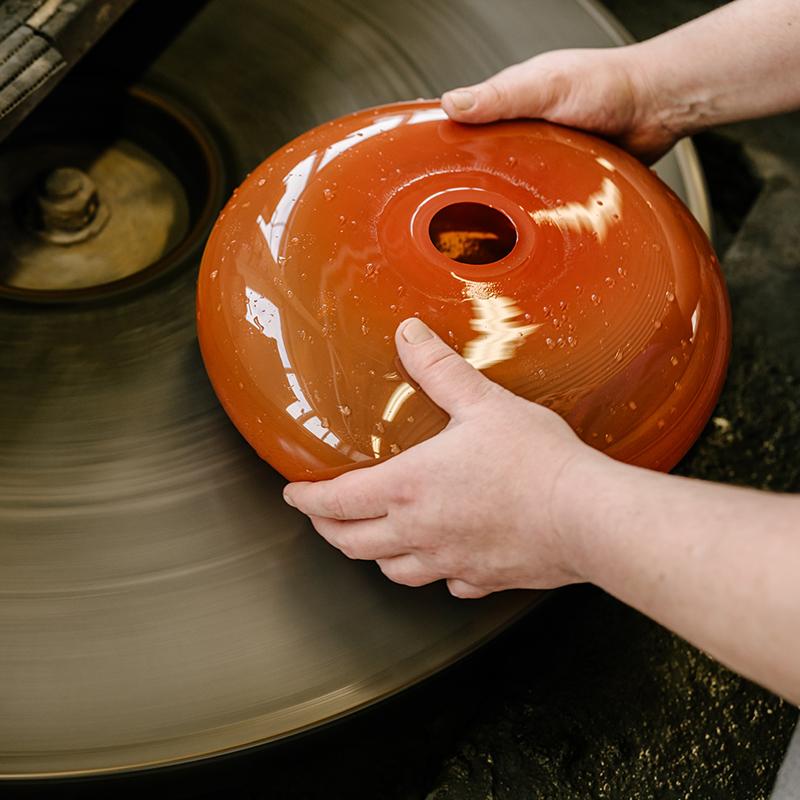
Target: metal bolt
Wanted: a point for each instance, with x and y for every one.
(65, 182)
(67, 207)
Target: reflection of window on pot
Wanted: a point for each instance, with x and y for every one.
(264, 316)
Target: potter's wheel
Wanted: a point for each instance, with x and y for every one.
(158, 601)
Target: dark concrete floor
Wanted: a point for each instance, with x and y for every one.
(587, 698)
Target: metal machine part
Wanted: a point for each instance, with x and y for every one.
(66, 207)
(159, 603)
(107, 202)
(39, 41)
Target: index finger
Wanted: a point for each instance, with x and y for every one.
(360, 494)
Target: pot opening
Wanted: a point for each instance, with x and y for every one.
(472, 233)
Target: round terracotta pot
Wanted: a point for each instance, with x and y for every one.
(551, 260)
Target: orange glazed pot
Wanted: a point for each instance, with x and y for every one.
(551, 260)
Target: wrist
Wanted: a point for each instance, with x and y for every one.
(581, 506)
(669, 101)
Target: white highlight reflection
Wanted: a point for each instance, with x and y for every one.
(354, 138)
(294, 183)
(597, 214)
(605, 163)
(265, 317)
(500, 333)
(301, 173)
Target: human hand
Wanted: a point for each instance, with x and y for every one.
(479, 505)
(605, 91)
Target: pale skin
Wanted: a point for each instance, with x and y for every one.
(507, 496)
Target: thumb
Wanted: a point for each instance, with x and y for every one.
(512, 93)
(450, 381)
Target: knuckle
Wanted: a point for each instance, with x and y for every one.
(322, 526)
(330, 530)
(389, 570)
(404, 492)
(348, 547)
(479, 391)
(403, 574)
(440, 358)
(334, 506)
(448, 368)
(496, 94)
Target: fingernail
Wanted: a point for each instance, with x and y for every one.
(288, 500)
(415, 331)
(462, 99)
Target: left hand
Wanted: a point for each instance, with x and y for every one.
(479, 505)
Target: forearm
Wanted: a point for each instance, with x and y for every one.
(718, 565)
(738, 62)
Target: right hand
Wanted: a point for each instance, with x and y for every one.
(424, 515)
(604, 91)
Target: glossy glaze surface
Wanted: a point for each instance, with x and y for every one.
(606, 303)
